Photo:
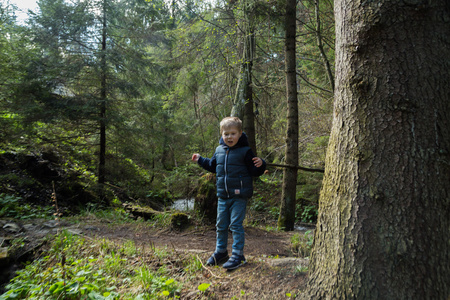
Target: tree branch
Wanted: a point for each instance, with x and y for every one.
(297, 167)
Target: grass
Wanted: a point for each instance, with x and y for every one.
(83, 267)
(301, 244)
(80, 268)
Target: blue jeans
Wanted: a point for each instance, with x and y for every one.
(231, 214)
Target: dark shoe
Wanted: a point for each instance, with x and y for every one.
(235, 262)
(217, 258)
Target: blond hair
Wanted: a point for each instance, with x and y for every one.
(229, 122)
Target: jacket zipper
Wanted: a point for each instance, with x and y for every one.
(225, 167)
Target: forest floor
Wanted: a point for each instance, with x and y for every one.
(272, 272)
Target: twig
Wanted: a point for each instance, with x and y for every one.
(204, 267)
(57, 213)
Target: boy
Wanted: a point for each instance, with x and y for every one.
(235, 165)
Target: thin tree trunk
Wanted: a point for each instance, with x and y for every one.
(243, 101)
(249, 116)
(286, 219)
(383, 229)
(323, 55)
(102, 154)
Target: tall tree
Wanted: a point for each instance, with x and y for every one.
(13, 49)
(243, 99)
(384, 217)
(286, 219)
(103, 99)
(93, 60)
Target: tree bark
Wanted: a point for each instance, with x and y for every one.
(286, 219)
(243, 102)
(383, 229)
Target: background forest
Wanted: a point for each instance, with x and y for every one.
(103, 102)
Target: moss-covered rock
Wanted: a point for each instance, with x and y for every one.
(179, 220)
(206, 198)
(146, 213)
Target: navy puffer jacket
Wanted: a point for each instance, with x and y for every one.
(235, 169)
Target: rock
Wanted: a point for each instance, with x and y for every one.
(91, 228)
(29, 227)
(3, 253)
(12, 227)
(287, 262)
(51, 224)
(206, 198)
(179, 220)
(75, 231)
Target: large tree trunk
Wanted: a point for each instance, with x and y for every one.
(384, 223)
(286, 219)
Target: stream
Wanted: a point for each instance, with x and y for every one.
(183, 204)
(188, 204)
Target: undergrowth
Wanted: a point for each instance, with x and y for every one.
(301, 244)
(80, 268)
(13, 207)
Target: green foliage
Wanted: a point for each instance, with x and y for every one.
(263, 207)
(301, 269)
(203, 287)
(315, 152)
(193, 265)
(309, 214)
(157, 285)
(13, 207)
(308, 192)
(132, 178)
(258, 204)
(181, 181)
(72, 277)
(301, 244)
(162, 220)
(172, 73)
(75, 268)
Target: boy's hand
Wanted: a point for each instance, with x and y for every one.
(195, 157)
(257, 161)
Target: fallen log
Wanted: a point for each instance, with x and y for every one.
(137, 211)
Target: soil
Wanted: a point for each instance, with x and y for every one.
(271, 272)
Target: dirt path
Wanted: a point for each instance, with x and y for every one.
(258, 242)
(271, 271)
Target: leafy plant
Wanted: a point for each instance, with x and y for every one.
(301, 244)
(155, 284)
(203, 287)
(274, 212)
(257, 203)
(96, 269)
(301, 269)
(309, 214)
(12, 207)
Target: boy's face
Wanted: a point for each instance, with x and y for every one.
(231, 136)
